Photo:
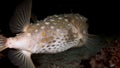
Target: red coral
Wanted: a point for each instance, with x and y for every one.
(108, 57)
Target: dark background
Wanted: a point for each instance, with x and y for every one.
(103, 16)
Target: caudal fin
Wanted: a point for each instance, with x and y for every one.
(3, 40)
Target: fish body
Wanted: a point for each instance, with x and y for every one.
(54, 34)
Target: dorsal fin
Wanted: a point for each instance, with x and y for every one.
(21, 16)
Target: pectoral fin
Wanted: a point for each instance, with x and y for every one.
(21, 16)
(95, 42)
(21, 58)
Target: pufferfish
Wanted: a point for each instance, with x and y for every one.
(54, 34)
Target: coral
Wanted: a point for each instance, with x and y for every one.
(108, 58)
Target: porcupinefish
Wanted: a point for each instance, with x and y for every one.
(54, 34)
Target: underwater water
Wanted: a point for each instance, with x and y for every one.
(101, 23)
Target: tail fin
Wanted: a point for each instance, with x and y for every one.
(3, 40)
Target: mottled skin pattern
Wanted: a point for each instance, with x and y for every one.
(54, 34)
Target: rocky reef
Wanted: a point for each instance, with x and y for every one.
(108, 57)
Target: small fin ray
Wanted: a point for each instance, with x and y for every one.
(95, 42)
(3, 40)
(21, 58)
(21, 16)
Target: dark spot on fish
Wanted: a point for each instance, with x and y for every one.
(47, 45)
(62, 39)
(43, 46)
(59, 42)
(54, 41)
(58, 45)
(49, 42)
(57, 38)
(63, 42)
(43, 49)
(49, 48)
(53, 45)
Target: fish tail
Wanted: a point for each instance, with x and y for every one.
(3, 40)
